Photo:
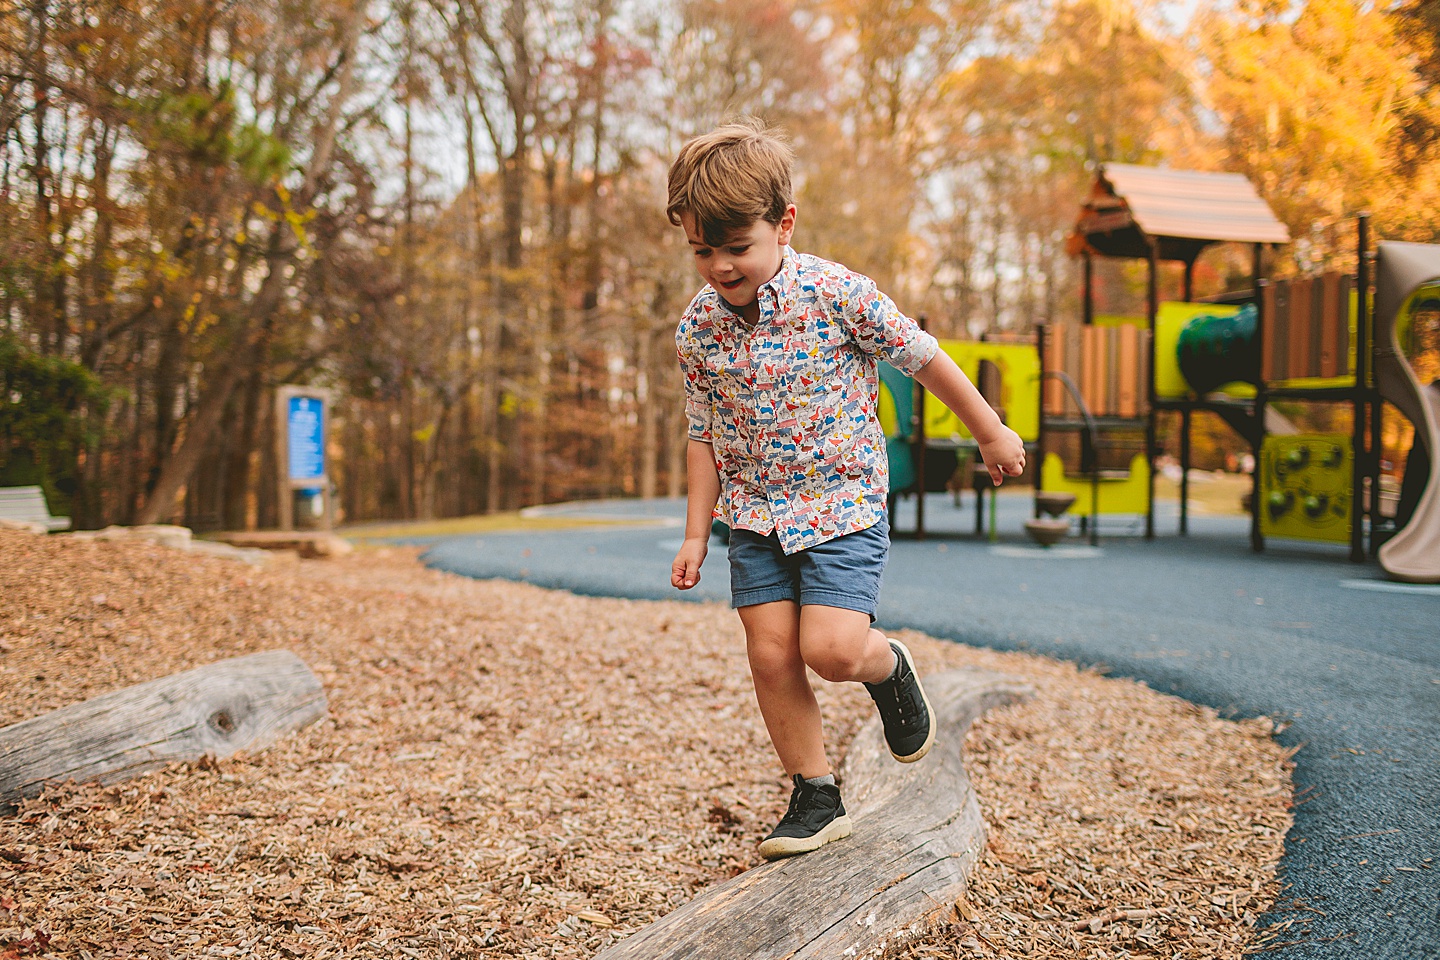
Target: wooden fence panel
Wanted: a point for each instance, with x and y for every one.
(1335, 326)
(1074, 365)
(1127, 370)
(1306, 328)
(1277, 330)
(1299, 321)
(1056, 358)
(1109, 366)
(1089, 368)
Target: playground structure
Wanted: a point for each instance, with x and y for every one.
(916, 431)
(1407, 324)
(1314, 339)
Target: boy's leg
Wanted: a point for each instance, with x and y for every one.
(816, 815)
(840, 645)
(792, 717)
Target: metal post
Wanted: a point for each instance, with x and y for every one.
(979, 488)
(1185, 471)
(1363, 508)
(1151, 424)
(1087, 302)
(283, 492)
(994, 525)
(1185, 422)
(1257, 434)
(920, 451)
(1257, 283)
(1040, 432)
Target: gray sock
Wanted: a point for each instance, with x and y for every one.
(826, 781)
(891, 676)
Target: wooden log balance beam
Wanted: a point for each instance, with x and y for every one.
(245, 703)
(918, 833)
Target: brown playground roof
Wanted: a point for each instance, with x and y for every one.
(1183, 210)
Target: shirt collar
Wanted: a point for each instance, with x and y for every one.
(787, 277)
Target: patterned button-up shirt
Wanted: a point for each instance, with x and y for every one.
(789, 404)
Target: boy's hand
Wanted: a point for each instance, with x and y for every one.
(1004, 455)
(685, 571)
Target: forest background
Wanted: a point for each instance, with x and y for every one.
(450, 212)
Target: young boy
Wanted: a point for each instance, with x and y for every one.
(779, 353)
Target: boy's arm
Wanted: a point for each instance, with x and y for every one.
(703, 490)
(1000, 447)
(881, 330)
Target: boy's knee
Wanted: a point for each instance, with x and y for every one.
(837, 670)
(834, 661)
(771, 652)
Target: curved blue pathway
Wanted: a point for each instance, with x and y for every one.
(1350, 662)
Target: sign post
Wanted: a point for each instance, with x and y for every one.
(302, 422)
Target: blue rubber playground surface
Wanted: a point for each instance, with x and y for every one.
(1349, 661)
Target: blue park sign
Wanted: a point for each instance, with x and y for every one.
(305, 420)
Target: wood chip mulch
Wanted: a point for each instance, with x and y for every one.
(510, 771)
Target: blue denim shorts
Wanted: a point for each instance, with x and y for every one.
(844, 572)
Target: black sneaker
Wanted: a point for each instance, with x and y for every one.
(816, 817)
(904, 710)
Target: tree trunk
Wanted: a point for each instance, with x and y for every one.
(430, 466)
(676, 440)
(129, 450)
(239, 472)
(649, 412)
(164, 385)
(177, 466)
(46, 311)
(354, 478)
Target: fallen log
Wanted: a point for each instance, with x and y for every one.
(918, 832)
(245, 703)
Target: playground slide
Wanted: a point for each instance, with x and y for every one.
(1413, 553)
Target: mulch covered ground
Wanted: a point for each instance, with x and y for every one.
(509, 771)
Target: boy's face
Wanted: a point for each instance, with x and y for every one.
(746, 260)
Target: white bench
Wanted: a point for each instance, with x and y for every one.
(27, 505)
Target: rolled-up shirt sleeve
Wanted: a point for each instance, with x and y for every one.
(699, 406)
(880, 329)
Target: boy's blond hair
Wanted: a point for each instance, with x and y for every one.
(730, 178)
